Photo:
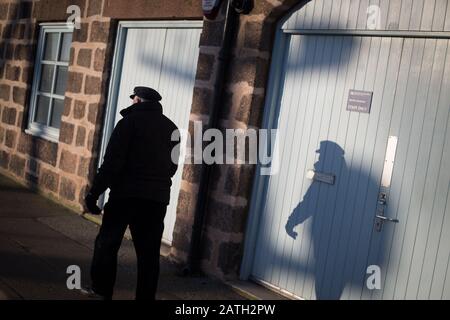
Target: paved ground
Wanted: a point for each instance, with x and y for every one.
(40, 239)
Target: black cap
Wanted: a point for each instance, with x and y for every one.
(146, 93)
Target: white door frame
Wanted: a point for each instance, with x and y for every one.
(116, 71)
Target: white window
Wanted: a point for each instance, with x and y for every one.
(50, 79)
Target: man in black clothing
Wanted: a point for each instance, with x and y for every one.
(138, 168)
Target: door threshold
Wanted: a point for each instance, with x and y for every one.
(253, 291)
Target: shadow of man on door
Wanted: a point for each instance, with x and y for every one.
(339, 250)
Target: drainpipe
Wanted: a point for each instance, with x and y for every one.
(194, 255)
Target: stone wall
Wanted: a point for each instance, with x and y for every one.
(154, 9)
(230, 188)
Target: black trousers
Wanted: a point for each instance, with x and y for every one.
(146, 221)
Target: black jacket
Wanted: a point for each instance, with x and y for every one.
(138, 162)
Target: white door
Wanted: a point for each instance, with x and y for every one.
(162, 56)
(316, 238)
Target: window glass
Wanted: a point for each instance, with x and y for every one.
(42, 107)
(51, 46)
(51, 73)
(61, 80)
(65, 47)
(46, 78)
(58, 107)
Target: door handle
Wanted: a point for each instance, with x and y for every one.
(387, 219)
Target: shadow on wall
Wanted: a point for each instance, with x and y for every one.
(308, 54)
(330, 231)
(18, 44)
(311, 52)
(170, 62)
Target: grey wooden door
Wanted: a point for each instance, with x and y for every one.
(316, 240)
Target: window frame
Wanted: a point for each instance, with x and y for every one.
(34, 128)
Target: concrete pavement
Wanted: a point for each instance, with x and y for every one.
(39, 239)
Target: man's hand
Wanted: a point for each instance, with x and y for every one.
(91, 204)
